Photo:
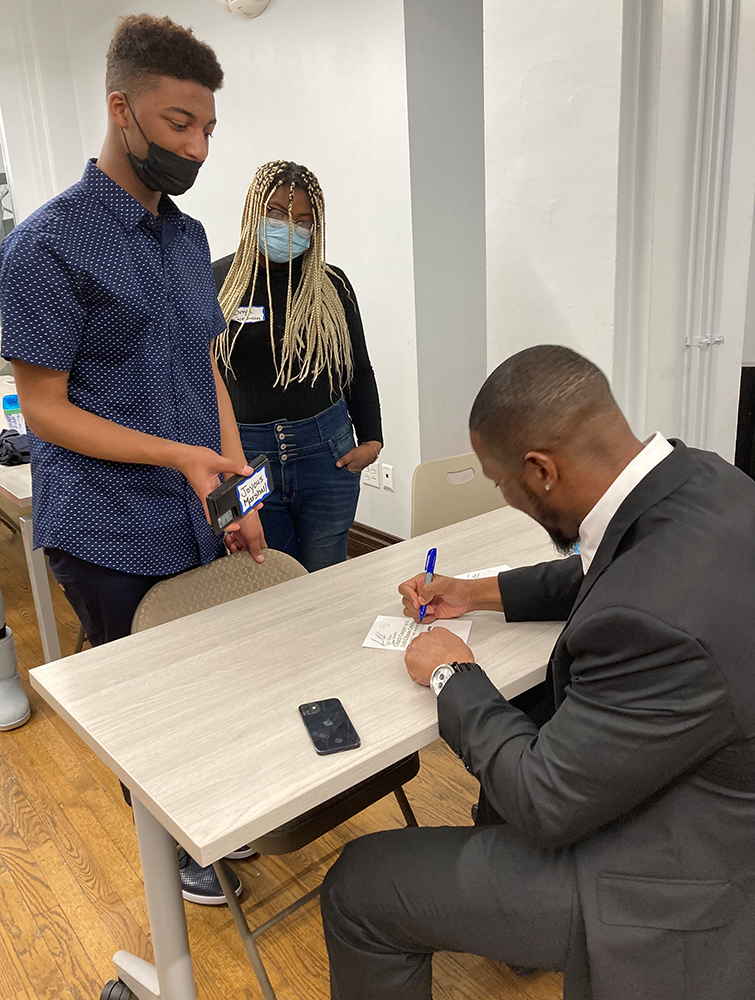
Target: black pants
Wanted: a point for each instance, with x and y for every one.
(104, 599)
(394, 898)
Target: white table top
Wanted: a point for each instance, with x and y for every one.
(200, 718)
(15, 484)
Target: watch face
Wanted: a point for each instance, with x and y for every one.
(440, 678)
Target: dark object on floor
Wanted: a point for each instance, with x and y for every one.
(116, 990)
(744, 456)
(14, 448)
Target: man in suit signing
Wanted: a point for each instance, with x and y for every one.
(617, 841)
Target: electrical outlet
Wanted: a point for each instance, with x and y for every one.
(370, 476)
(387, 477)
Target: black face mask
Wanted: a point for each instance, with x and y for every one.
(161, 170)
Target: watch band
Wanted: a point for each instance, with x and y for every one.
(464, 667)
(445, 671)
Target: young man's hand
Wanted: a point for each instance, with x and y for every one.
(246, 535)
(203, 468)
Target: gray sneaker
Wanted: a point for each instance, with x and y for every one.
(201, 885)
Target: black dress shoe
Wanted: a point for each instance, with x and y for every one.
(201, 885)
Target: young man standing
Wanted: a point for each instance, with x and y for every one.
(109, 312)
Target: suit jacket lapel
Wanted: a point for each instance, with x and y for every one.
(659, 483)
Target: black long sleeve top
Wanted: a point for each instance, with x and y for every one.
(255, 397)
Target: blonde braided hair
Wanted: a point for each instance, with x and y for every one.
(316, 336)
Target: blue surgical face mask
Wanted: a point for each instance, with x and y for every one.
(277, 249)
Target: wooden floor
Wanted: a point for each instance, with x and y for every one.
(70, 881)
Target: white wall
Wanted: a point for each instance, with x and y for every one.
(321, 83)
(38, 113)
(445, 97)
(552, 80)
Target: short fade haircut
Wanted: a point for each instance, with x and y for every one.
(146, 47)
(537, 399)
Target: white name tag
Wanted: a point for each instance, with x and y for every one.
(246, 315)
(253, 489)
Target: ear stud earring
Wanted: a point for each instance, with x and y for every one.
(547, 487)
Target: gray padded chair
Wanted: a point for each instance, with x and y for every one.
(215, 583)
(224, 580)
(448, 490)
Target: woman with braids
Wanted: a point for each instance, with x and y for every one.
(295, 362)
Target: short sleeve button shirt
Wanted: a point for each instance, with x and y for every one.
(94, 285)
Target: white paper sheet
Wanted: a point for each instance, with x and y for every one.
(480, 574)
(388, 632)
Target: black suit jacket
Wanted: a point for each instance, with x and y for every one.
(646, 770)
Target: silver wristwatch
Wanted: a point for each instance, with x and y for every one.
(441, 674)
(439, 677)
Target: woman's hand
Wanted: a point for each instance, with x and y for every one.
(360, 457)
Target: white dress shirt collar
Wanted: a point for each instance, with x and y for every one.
(593, 528)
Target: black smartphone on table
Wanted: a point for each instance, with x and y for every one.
(329, 727)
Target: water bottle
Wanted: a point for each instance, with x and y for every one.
(13, 415)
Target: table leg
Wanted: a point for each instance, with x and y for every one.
(171, 977)
(40, 588)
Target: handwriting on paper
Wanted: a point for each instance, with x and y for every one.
(390, 632)
(480, 574)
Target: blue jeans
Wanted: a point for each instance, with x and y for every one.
(313, 503)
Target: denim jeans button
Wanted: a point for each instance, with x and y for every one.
(312, 507)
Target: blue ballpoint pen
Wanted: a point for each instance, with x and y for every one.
(429, 570)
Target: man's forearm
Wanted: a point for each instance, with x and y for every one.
(65, 424)
(486, 595)
(230, 441)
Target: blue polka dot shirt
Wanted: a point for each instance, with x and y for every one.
(94, 285)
